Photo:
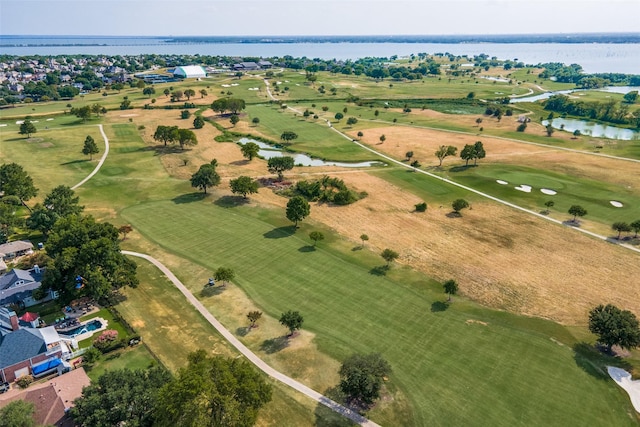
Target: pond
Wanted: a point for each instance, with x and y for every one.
(597, 130)
(611, 89)
(268, 151)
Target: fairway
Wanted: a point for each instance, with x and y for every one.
(493, 366)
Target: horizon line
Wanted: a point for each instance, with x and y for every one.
(330, 35)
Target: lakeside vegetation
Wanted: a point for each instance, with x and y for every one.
(462, 362)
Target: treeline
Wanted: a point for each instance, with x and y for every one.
(609, 111)
(326, 189)
(574, 74)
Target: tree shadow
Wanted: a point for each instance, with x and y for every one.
(594, 361)
(380, 270)
(159, 150)
(280, 232)
(274, 345)
(188, 198)
(463, 168)
(240, 162)
(454, 214)
(113, 356)
(571, 223)
(72, 162)
(231, 201)
(357, 248)
(326, 417)
(439, 306)
(307, 248)
(210, 291)
(242, 331)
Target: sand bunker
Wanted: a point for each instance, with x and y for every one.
(253, 88)
(616, 204)
(549, 192)
(3, 125)
(128, 115)
(49, 120)
(623, 379)
(525, 188)
(501, 182)
(19, 122)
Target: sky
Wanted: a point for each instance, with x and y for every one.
(315, 17)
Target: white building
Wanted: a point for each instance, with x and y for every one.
(189, 72)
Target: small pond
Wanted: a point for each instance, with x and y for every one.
(611, 89)
(597, 130)
(268, 151)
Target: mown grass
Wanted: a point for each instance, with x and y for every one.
(437, 356)
(137, 357)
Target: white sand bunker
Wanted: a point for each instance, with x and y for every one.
(3, 125)
(616, 204)
(501, 182)
(525, 188)
(49, 120)
(253, 88)
(623, 379)
(19, 122)
(549, 192)
(226, 85)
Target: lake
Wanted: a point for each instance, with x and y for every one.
(593, 57)
(547, 95)
(597, 130)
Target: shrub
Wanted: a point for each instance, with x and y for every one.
(421, 207)
(521, 127)
(24, 381)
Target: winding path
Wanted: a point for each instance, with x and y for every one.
(296, 385)
(100, 163)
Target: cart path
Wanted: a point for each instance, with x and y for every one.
(100, 163)
(296, 385)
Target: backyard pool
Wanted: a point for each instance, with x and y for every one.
(82, 329)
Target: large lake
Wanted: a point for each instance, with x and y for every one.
(593, 57)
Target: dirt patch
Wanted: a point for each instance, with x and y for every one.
(476, 322)
(46, 145)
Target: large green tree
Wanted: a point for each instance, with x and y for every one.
(121, 397)
(83, 113)
(459, 204)
(244, 185)
(620, 227)
(291, 320)
(577, 211)
(279, 165)
(450, 287)
(166, 134)
(206, 177)
(614, 326)
(18, 413)
(186, 137)
(288, 136)
(250, 150)
(27, 128)
(14, 181)
(362, 375)
(90, 147)
(224, 275)
(473, 152)
(445, 151)
(297, 209)
(213, 392)
(232, 105)
(60, 202)
(82, 247)
(389, 255)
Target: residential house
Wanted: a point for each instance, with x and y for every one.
(246, 66)
(17, 286)
(14, 249)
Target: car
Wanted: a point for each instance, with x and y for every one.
(4, 387)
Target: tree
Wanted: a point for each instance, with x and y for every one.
(473, 152)
(224, 275)
(415, 164)
(124, 230)
(98, 109)
(90, 147)
(620, 227)
(291, 320)
(176, 95)
(189, 93)
(339, 116)
(244, 185)
(352, 121)
(409, 155)
(478, 121)
(213, 391)
(577, 211)
(149, 90)
(635, 226)
(14, 181)
(445, 151)
(549, 204)
(549, 129)
(576, 133)
(362, 375)
(60, 202)
(360, 134)
(185, 114)
(27, 128)
(389, 255)
(450, 287)
(205, 177)
(382, 138)
(83, 113)
(316, 236)
(614, 326)
(18, 413)
(458, 205)
(166, 134)
(297, 209)
(186, 137)
(203, 93)
(364, 238)
(121, 397)
(521, 127)
(279, 165)
(255, 121)
(253, 317)
(631, 97)
(421, 207)
(234, 119)
(166, 92)
(288, 136)
(250, 150)
(198, 122)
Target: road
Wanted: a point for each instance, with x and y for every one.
(296, 385)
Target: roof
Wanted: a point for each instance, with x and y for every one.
(190, 70)
(27, 276)
(13, 247)
(20, 345)
(29, 317)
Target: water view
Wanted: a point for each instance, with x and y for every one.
(612, 89)
(593, 129)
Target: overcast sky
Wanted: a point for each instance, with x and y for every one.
(315, 17)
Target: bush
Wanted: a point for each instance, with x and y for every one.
(185, 114)
(521, 127)
(24, 381)
(421, 207)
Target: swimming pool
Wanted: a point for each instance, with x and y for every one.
(82, 329)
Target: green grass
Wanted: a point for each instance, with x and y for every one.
(137, 357)
(436, 356)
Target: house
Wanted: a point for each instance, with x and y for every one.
(265, 64)
(189, 71)
(246, 66)
(11, 250)
(17, 286)
(52, 399)
(26, 350)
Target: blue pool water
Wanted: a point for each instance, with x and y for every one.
(88, 327)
